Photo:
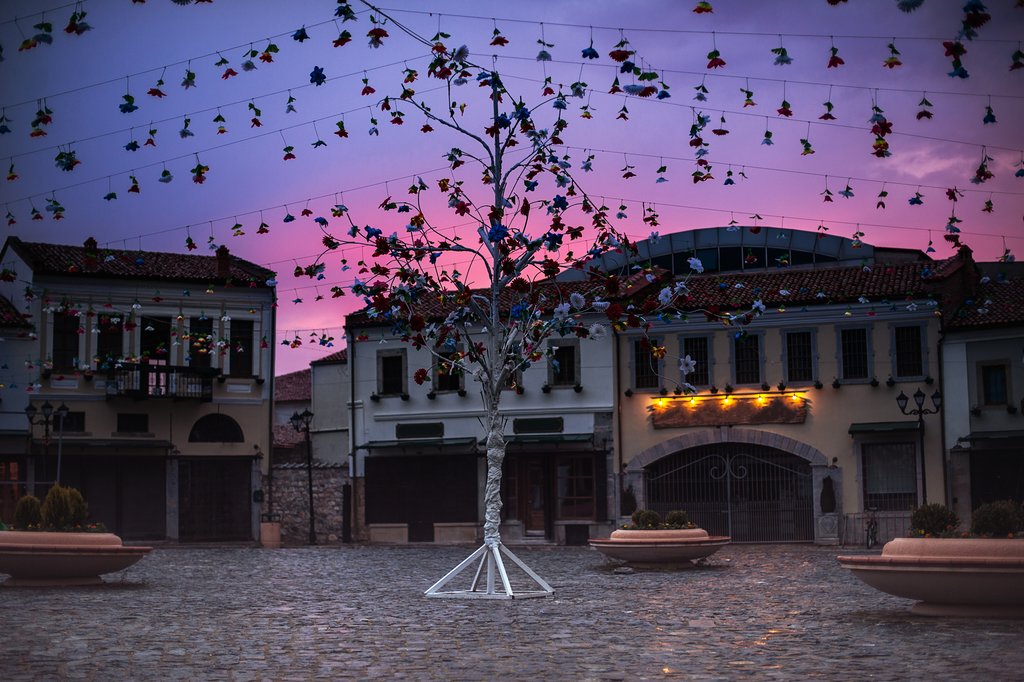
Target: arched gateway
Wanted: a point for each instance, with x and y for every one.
(752, 485)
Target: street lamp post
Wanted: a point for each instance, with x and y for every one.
(45, 420)
(920, 411)
(300, 422)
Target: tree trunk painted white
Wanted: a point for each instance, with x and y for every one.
(492, 491)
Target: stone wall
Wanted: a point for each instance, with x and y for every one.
(291, 501)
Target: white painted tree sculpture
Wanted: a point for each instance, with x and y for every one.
(495, 324)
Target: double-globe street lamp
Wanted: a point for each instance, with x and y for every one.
(300, 422)
(920, 411)
(47, 418)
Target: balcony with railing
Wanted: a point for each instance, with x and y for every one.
(143, 381)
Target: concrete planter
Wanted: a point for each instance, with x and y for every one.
(949, 576)
(659, 546)
(43, 559)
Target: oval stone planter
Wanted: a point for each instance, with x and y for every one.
(659, 546)
(978, 577)
(43, 559)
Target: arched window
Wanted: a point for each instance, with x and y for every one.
(216, 428)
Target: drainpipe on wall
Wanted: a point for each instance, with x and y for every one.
(272, 383)
(349, 512)
(617, 436)
(947, 483)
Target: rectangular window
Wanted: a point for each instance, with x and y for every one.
(132, 422)
(748, 359)
(514, 379)
(576, 487)
(645, 365)
(241, 353)
(890, 475)
(799, 357)
(109, 343)
(699, 350)
(448, 377)
(994, 388)
(73, 423)
(907, 349)
(65, 343)
(853, 349)
(200, 342)
(391, 372)
(563, 364)
(155, 341)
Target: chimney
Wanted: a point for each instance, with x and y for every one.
(223, 262)
(91, 260)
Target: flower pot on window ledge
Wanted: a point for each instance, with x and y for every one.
(431, 395)
(462, 392)
(520, 390)
(578, 388)
(835, 383)
(260, 380)
(628, 393)
(374, 397)
(678, 390)
(976, 411)
(890, 382)
(817, 384)
(765, 387)
(929, 380)
(87, 375)
(221, 378)
(405, 396)
(1011, 409)
(728, 388)
(874, 382)
(714, 389)
(782, 386)
(545, 388)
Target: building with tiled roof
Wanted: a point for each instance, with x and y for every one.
(162, 361)
(983, 371)
(793, 432)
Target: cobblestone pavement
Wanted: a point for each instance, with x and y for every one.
(761, 612)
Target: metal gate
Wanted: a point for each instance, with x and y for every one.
(752, 493)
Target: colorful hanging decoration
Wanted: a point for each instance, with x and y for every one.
(917, 199)
(43, 36)
(66, 160)
(4, 128)
(925, 111)
(301, 35)
(834, 60)
(77, 24)
(990, 115)
(703, 7)
(156, 90)
(782, 57)
(1017, 60)
(255, 122)
(893, 60)
(185, 132)
(317, 77)
(882, 196)
(165, 176)
(982, 173)
(44, 117)
(955, 50)
(827, 194)
(199, 172)
(220, 121)
(189, 81)
(975, 16)
(715, 60)
(847, 191)
(748, 98)
(11, 175)
(880, 127)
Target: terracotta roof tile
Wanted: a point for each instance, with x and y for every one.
(996, 303)
(11, 317)
(293, 386)
(63, 259)
(285, 435)
(340, 356)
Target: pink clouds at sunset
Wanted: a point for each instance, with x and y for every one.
(86, 80)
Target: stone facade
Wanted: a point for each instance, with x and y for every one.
(289, 500)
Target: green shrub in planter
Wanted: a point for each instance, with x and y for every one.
(644, 519)
(64, 508)
(27, 512)
(997, 519)
(677, 519)
(933, 519)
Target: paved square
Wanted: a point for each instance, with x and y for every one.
(755, 612)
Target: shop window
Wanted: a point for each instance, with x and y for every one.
(889, 473)
(799, 357)
(854, 353)
(155, 341)
(391, 372)
(576, 487)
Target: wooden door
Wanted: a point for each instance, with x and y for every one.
(536, 497)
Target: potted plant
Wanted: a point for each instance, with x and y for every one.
(950, 571)
(54, 545)
(649, 539)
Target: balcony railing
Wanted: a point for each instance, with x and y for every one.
(144, 381)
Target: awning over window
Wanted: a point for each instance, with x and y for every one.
(992, 437)
(464, 443)
(883, 427)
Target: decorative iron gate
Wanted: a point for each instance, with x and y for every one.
(752, 493)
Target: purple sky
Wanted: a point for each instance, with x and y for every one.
(84, 77)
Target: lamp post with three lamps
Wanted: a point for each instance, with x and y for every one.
(47, 418)
(300, 422)
(920, 411)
